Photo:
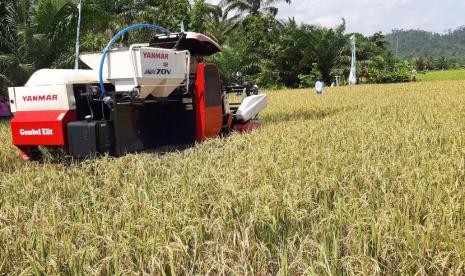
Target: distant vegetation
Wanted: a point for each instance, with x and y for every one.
(429, 50)
(270, 52)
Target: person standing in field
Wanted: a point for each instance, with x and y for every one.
(319, 87)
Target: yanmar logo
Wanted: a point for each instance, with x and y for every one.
(148, 55)
(40, 98)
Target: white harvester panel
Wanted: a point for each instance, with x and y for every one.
(49, 89)
(48, 77)
(251, 106)
(157, 72)
(40, 98)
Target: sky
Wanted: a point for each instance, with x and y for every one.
(370, 16)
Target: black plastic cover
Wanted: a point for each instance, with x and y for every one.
(86, 139)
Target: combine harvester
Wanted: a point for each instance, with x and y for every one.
(143, 97)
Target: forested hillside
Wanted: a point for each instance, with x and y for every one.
(418, 43)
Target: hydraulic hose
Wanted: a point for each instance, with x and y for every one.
(116, 37)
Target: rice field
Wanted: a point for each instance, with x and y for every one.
(362, 180)
(444, 75)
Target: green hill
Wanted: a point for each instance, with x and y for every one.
(418, 43)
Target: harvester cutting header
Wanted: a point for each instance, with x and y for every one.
(145, 96)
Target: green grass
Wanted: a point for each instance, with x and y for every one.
(363, 180)
(442, 75)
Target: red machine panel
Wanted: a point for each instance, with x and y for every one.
(209, 103)
(248, 127)
(41, 128)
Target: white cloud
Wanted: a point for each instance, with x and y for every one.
(369, 16)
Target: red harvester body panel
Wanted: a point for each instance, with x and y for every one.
(248, 126)
(41, 128)
(209, 108)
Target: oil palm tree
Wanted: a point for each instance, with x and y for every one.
(18, 41)
(252, 7)
(221, 25)
(3, 23)
(325, 47)
(202, 14)
(39, 34)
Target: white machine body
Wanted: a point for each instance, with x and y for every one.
(153, 71)
(251, 106)
(41, 98)
(49, 89)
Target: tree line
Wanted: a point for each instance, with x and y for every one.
(428, 50)
(37, 34)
